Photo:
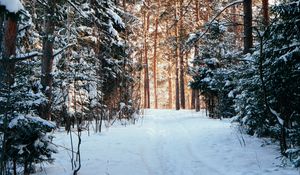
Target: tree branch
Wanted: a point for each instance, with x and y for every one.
(201, 34)
(62, 49)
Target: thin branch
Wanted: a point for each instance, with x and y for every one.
(43, 3)
(77, 9)
(214, 18)
(21, 57)
(62, 49)
(24, 28)
(27, 56)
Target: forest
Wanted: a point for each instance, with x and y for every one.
(83, 66)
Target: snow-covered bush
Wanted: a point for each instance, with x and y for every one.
(25, 141)
(209, 73)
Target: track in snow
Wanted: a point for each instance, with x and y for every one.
(167, 142)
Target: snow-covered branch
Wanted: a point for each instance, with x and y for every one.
(26, 56)
(62, 49)
(12, 6)
(279, 119)
(77, 9)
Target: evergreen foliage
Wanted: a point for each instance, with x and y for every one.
(268, 98)
(261, 90)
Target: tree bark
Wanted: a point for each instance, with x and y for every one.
(8, 35)
(170, 89)
(193, 99)
(155, 58)
(177, 103)
(197, 100)
(170, 85)
(248, 38)
(47, 59)
(197, 11)
(181, 58)
(234, 27)
(146, 69)
(8, 48)
(265, 9)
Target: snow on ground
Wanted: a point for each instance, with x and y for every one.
(167, 142)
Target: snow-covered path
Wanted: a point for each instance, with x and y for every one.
(169, 142)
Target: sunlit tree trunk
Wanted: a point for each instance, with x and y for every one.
(177, 102)
(197, 16)
(170, 94)
(155, 57)
(146, 68)
(170, 73)
(181, 57)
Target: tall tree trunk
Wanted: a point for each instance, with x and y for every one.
(170, 89)
(197, 100)
(47, 59)
(234, 27)
(124, 5)
(197, 12)
(265, 8)
(146, 69)
(170, 84)
(196, 91)
(155, 58)
(8, 47)
(248, 38)
(8, 35)
(208, 10)
(181, 58)
(177, 103)
(193, 99)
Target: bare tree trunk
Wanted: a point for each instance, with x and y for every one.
(193, 99)
(8, 35)
(197, 100)
(8, 48)
(146, 69)
(47, 59)
(124, 5)
(197, 11)
(196, 91)
(181, 58)
(234, 27)
(177, 105)
(155, 58)
(265, 8)
(248, 38)
(170, 85)
(208, 10)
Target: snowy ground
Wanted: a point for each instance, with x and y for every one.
(169, 142)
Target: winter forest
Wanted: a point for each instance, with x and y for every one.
(157, 87)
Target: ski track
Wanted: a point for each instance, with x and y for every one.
(167, 142)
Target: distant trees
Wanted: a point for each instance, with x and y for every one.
(167, 33)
